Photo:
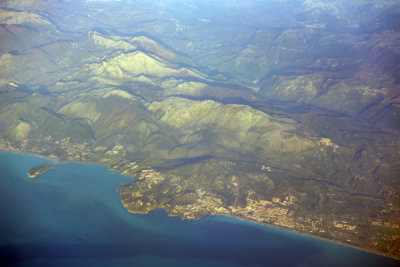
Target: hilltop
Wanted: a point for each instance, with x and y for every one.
(293, 125)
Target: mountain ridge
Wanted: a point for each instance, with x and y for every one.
(249, 130)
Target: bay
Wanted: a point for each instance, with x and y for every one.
(72, 216)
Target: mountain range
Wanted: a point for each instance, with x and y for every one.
(284, 113)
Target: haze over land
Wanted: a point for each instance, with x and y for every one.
(280, 112)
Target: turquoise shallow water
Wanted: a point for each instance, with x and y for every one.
(72, 216)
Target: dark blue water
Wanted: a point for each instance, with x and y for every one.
(72, 216)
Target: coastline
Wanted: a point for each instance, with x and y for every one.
(57, 161)
(306, 234)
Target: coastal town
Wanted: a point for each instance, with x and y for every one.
(283, 113)
(152, 189)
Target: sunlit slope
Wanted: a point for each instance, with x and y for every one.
(281, 120)
(203, 157)
(88, 59)
(338, 55)
(169, 129)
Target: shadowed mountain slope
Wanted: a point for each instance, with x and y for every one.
(289, 118)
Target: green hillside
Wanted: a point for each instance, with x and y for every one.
(301, 134)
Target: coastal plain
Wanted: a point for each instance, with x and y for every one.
(294, 124)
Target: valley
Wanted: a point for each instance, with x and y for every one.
(292, 123)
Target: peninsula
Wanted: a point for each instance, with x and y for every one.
(290, 119)
(35, 171)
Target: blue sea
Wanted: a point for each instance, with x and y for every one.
(72, 216)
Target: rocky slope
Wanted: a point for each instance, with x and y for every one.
(291, 122)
